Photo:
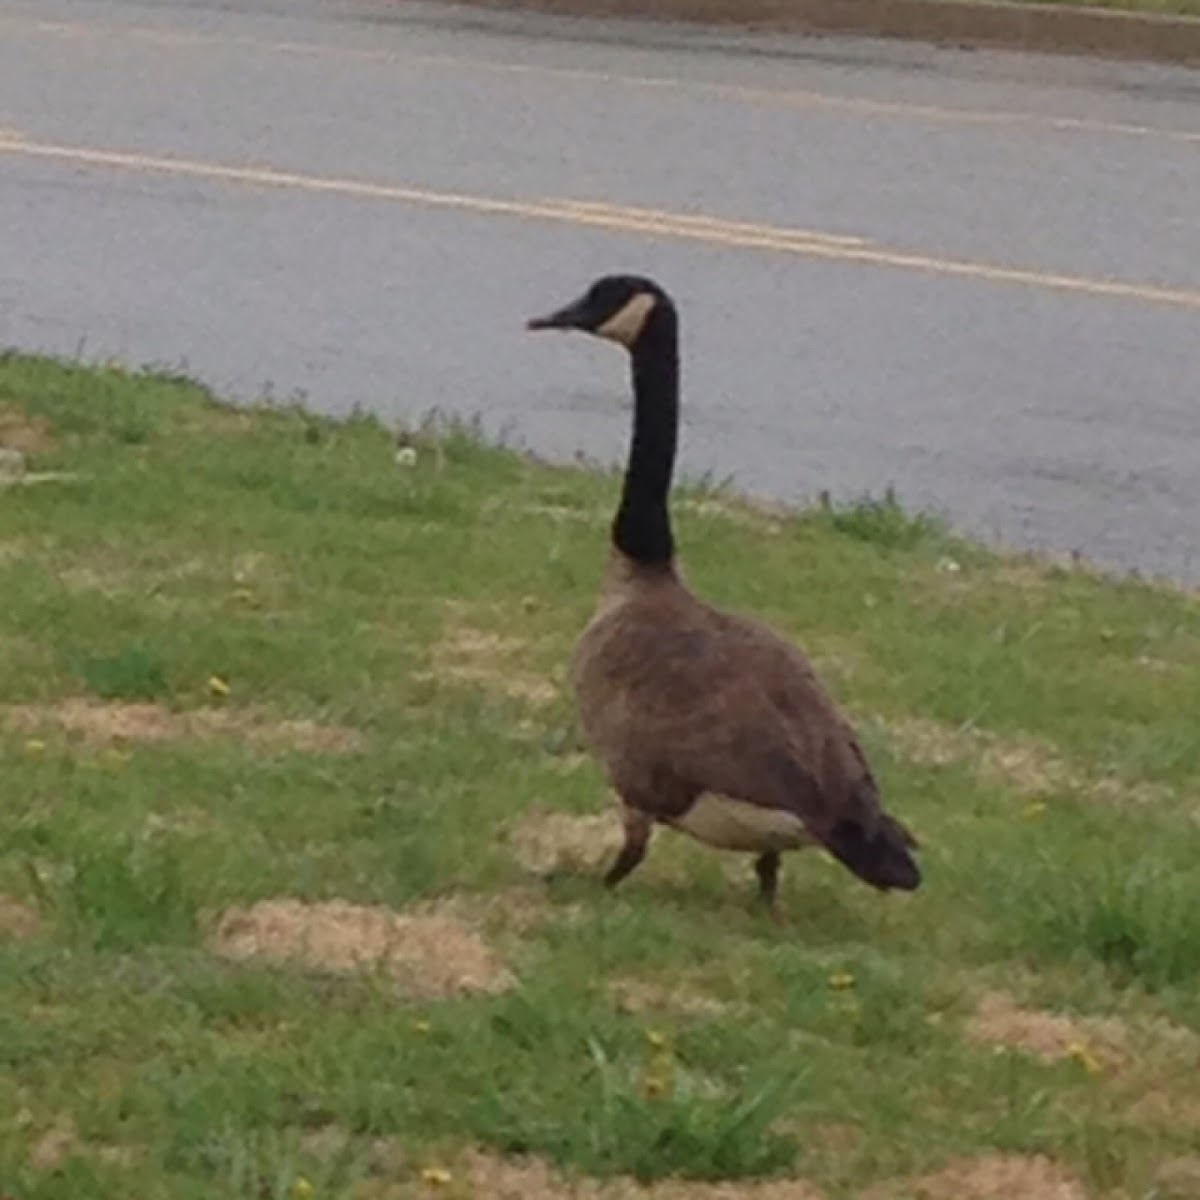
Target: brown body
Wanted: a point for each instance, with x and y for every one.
(713, 724)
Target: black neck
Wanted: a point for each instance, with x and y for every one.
(642, 528)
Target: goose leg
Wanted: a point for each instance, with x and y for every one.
(637, 837)
(766, 867)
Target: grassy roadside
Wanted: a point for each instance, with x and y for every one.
(1181, 8)
(298, 856)
(730, 13)
(1165, 7)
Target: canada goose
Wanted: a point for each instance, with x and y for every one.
(705, 721)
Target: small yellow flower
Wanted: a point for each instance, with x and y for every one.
(302, 1189)
(1080, 1053)
(1034, 809)
(841, 981)
(436, 1177)
(218, 686)
(35, 748)
(422, 1026)
(656, 1038)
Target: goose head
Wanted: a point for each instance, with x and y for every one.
(618, 308)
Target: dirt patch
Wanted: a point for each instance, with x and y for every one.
(550, 843)
(492, 661)
(1166, 1110)
(109, 723)
(516, 910)
(28, 435)
(641, 997)
(55, 1146)
(1051, 1037)
(17, 921)
(1178, 1178)
(1030, 766)
(766, 1189)
(483, 1174)
(429, 953)
(1027, 765)
(990, 1177)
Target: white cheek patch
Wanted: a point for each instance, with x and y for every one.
(627, 323)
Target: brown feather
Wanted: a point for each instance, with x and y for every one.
(680, 699)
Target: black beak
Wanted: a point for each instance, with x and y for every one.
(572, 317)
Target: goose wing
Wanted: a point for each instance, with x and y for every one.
(712, 702)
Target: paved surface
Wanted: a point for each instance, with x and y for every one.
(974, 277)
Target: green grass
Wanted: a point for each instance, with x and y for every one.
(214, 573)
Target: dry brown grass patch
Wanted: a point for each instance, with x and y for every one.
(492, 661)
(429, 953)
(1166, 1110)
(250, 575)
(642, 997)
(549, 843)
(113, 577)
(1050, 1037)
(54, 1146)
(101, 723)
(29, 435)
(17, 921)
(760, 1189)
(1028, 765)
(1178, 1178)
(989, 1177)
(511, 910)
(488, 1175)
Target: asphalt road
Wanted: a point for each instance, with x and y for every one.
(973, 277)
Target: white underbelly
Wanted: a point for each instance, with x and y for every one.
(736, 825)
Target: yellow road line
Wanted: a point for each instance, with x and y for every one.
(653, 222)
(714, 224)
(575, 212)
(782, 97)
